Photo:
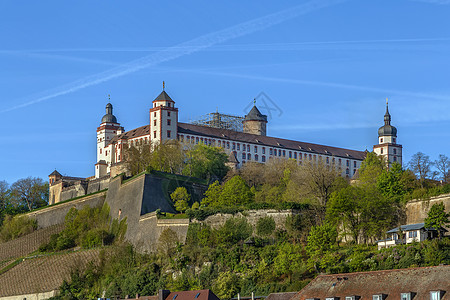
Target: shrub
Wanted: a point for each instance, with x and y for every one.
(265, 226)
(14, 227)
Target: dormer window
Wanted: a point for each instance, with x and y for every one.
(436, 295)
(378, 297)
(405, 296)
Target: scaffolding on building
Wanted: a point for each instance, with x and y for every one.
(222, 121)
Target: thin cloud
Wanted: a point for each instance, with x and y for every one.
(182, 49)
(243, 47)
(324, 84)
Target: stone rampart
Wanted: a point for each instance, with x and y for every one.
(55, 214)
(417, 210)
(252, 216)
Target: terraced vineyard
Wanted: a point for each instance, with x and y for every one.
(26, 244)
(44, 273)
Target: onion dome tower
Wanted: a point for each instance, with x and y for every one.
(109, 128)
(387, 141)
(255, 122)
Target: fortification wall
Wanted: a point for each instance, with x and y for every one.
(252, 216)
(98, 184)
(417, 210)
(150, 229)
(72, 191)
(55, 214)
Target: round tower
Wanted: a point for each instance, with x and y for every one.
(255, 122)
(387, 141)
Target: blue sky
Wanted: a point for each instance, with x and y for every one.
(327, 64)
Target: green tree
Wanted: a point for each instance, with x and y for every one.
(371, 168)
(437, 217)
(235, 192)
(206, 162)
(227, 285)
(181, 199)
(390, 183)
(289, 260)
(167, 242)
(167, 157)
(321, 241)
(265, 226)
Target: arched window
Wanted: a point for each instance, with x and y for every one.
(243, 155)
(263, 158)
(249, 156)
(256, 157)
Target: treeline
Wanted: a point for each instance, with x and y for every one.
(23, 195)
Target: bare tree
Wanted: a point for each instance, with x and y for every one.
(30, 191)
(318, 179)
(443, 165)
(420, 164)
(4, 194)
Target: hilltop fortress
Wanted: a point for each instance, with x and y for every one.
(244, 139)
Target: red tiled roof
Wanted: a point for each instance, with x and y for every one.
(192, 295)
(191, 129)
(389, 282)
(268, 141)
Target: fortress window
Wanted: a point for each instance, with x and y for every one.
(154, 134)
(354, 171)
(263, 150)
(381, 140)
(256, 149)
(228, 145)
(248, 148)
(168, 133)
(300, 155)
(263, 158)
(328, 160)
(354, 164)
(395, 151)
(279, 152)
(234, 146)
(395, 158)
(340, 162)
(100, 150)
(381, 150)
(168, 113)
(154, 122)
(348, 163)
(182, 138)
(270, 151)
(295, 155)
(249, 156)
(290, 154)
(238, 146)
(275, 152)
(168, 122)
(256, 157)
(243, 155)
(154, 114)
(196, 140)
(347, 171)
(219, 143)
(168, 104)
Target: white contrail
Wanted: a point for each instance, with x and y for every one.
(235, 47)
(185, 48)
(319, 83)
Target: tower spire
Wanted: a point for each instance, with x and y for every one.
(164, 85)
(387, 115)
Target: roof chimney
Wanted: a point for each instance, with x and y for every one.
(162, 294)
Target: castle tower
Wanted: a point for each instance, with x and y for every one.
(109, 128)
(255, 122)
(387, 141)
(163, 119)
